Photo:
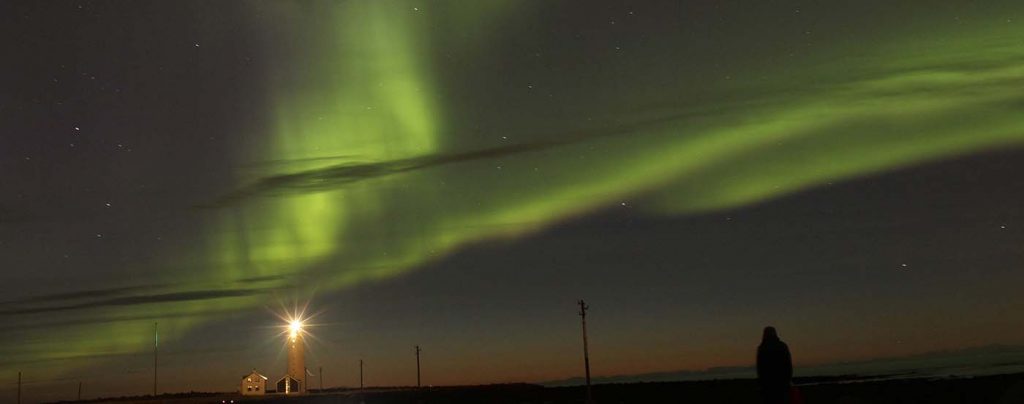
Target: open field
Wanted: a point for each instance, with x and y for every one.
(1000, 389)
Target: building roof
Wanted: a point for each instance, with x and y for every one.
(254, 372)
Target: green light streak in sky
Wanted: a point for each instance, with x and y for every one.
(913, 111)
(369, 93)
(369, 100)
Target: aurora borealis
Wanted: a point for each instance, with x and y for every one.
(229, 158)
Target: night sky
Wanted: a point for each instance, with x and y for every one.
(456, 174)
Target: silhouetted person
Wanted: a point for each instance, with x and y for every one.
(774, 368)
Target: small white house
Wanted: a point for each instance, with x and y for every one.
(253, 384)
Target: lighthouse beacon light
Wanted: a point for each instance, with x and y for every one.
(294, 328)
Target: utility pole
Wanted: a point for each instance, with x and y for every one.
(360, 374)
(321, 370)
(19, 387)
(586, 354)
(156, 346)
(79, 392)
(417, 366)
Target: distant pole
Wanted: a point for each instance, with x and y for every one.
(360, 374)
(79, 392)
(321, 370)
(586, 354)
(19, 387)
(417, 366)
(156, 345)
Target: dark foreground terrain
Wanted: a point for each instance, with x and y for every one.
(1001, 389)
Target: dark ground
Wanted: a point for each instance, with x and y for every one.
(1001, 389)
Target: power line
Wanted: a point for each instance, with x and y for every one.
(156, 346)
(586, 354)
(418, 365)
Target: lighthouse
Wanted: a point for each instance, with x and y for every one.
(294, 381)
(296, 355)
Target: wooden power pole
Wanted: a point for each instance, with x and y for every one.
(417, 366)
(321, 370)
(156, 345)
(360, 374)
(586, 353)
(79, 392)
(19, 387)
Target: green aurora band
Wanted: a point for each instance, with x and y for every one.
(367, 97)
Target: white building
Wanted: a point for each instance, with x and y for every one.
(253, 384)
(289, 385)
